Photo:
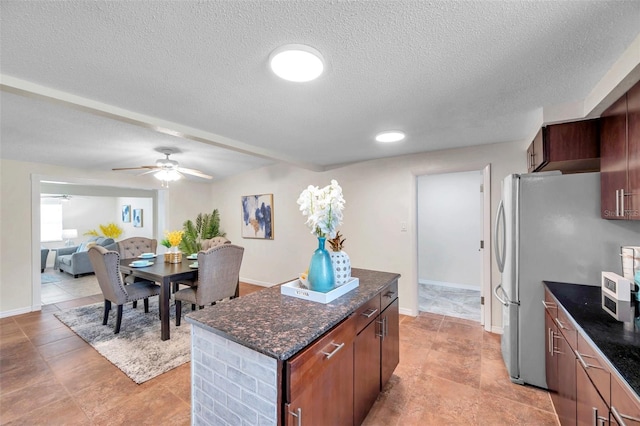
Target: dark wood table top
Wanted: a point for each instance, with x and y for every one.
(160, 270)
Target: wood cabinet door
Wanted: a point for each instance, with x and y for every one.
(625, 407)
(551, 360)
(366, 371)
(320, 380)
(632, 196)
(590, 407)
(613, 158)
(566, 397)
(390, 322)
(537, 151)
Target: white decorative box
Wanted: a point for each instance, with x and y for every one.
(293, 288)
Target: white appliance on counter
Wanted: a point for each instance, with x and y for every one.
(548, 228)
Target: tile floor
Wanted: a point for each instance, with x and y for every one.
(455, 302)
(66, 287)
(450, 373)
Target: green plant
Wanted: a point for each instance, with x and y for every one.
(110, 230)
(165, 242)
(206, 226)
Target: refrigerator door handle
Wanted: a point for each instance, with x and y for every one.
(500, 218)
(495, 293)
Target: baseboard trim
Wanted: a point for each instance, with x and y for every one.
(256, 282)
(451, 285)
(497, 330)
(19, 311)
(408, 312)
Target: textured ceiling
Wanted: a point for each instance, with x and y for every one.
(448, 73)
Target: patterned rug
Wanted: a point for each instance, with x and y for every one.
(137, 350)
(46, 278)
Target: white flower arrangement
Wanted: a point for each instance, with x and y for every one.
(323, 208)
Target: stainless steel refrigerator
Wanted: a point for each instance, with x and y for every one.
(548, 228)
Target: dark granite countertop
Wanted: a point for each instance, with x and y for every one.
(618, 341)
(280, 326)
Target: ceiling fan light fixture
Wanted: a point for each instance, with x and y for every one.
(390, 136)
(167, 175)
(296, 62)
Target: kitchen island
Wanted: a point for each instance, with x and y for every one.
(267, 358)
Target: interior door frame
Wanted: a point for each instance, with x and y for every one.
(160, 220)
(485, 285)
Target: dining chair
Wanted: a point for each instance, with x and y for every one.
(106, 264)
(133, 247)
(206, 245)
(218, 278)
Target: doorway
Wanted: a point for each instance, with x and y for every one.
(450, 240)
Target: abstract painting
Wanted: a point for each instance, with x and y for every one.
(137, 218)
(126, 214)
(257, 216)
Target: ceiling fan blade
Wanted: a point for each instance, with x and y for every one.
(194, 172)
(154, 170)
(135, 168)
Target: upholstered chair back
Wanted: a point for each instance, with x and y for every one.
(106, 265)
(135, 246)
(218, 273)
(214, 242)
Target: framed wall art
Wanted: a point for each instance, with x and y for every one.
(126, 214)
(137, 218)
(257, 216)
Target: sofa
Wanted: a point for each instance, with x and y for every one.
(75, 260)
(44, 252)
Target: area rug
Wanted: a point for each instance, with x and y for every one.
(137, 350)
(46, 278)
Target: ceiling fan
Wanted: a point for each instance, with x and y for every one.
(167, 170)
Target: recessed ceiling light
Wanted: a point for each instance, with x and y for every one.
(390, 136)
(296, 62)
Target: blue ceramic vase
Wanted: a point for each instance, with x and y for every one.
(321, 276)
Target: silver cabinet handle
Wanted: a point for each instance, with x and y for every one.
(617, 202)
(297, 415)
(335, 351)
(390, 294)
(598, 420)
(562, 325)
(381, 334)
(619, 417)
(369, 313)
(549, 305)
(622, 213)
(584, 364)
(386, 326)
(550, 340)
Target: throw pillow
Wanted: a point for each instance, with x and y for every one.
(82, 247)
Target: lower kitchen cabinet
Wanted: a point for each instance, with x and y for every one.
(565, 400)
(366, 371)
(390, 341)
(625, 408)
(591, 408)
(321, 380)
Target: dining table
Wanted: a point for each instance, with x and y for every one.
(165, 274)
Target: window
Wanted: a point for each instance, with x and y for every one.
(50, 222)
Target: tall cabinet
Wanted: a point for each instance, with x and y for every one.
(620, 158)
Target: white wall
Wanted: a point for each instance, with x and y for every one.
(450, 228)
(20, 249)
(379, 196)
(146, 204)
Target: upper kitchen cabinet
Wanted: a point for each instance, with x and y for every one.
(620, 158)
(568, 147)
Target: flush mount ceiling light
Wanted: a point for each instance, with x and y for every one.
(390, 136)
(296, 62)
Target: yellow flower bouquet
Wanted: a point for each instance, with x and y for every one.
(174, 238)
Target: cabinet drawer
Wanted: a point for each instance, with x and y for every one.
(388, 295)
(595, 367)
(367, 313)
(312, 361)
(566, 327)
